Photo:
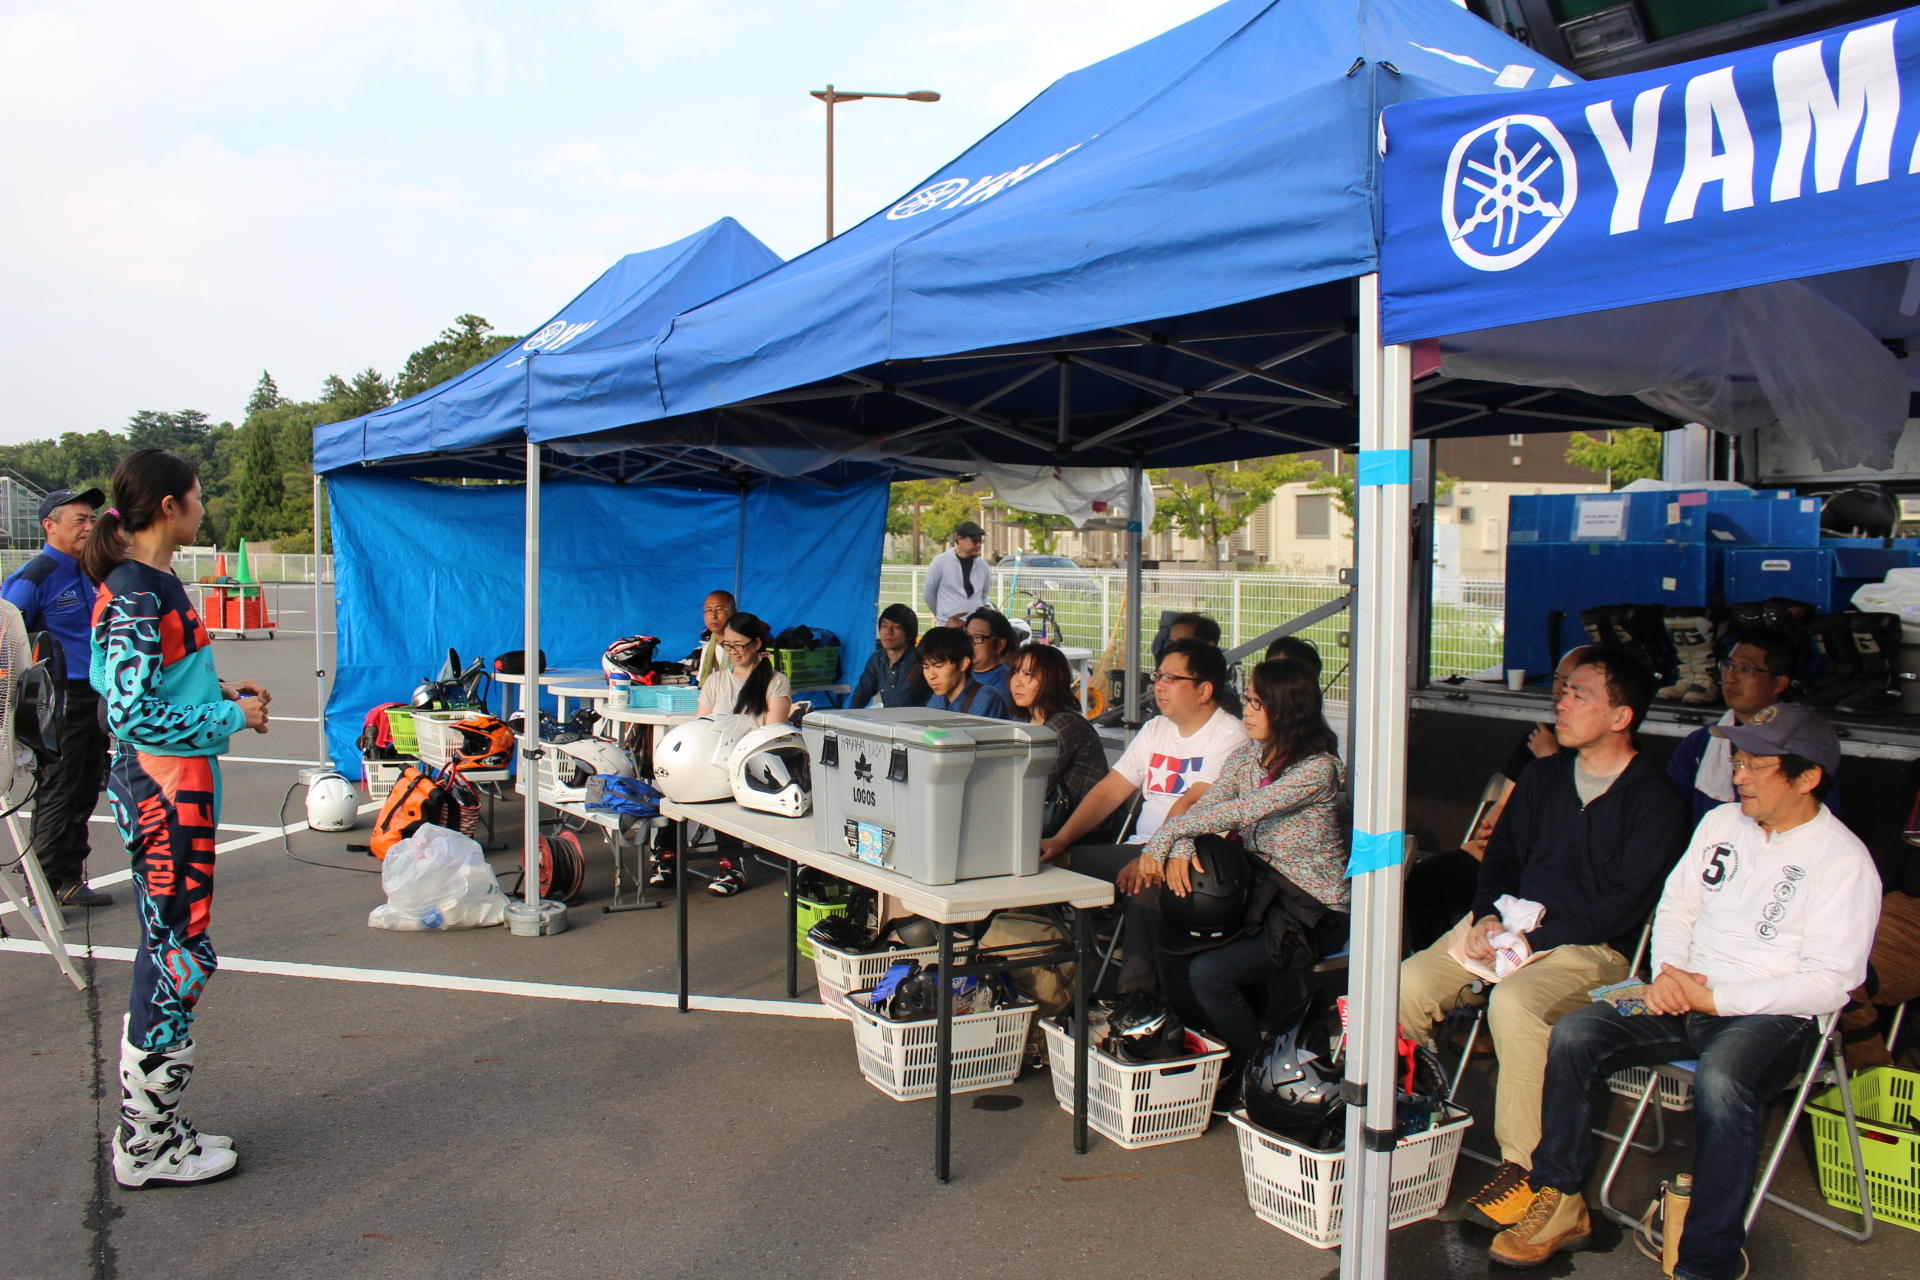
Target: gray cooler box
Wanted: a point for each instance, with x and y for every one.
(934, 795)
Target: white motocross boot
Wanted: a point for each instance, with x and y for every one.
(149, 1147)
(187, 1052)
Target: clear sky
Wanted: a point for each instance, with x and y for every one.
(194, 191)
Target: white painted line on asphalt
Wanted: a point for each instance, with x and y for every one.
(255, 835)
(280, 719)
(457, 982)
(264, 760)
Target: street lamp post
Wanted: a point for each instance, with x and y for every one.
(831, 95)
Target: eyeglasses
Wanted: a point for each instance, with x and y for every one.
(974, 639)
(741, 647)
(1743, 669)
(1250, 703)
(1748, 766)
(1162, 677)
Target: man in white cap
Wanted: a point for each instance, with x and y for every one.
(958, 579)
(1763, 927)
(53, 595)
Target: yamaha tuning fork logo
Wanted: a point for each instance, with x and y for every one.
(1510, 184)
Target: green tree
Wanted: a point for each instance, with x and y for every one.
(1042, 527)
(929, 510)
(460, 346)
(1221, 497)
(1623, 457)
(259, 496)
(266, 395)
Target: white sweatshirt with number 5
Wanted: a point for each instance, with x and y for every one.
(1778, 925)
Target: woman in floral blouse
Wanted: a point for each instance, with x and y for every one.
(1279, 795)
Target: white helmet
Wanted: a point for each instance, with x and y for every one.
(331, 803)
(771, 771)
(591, 756)
(690, 764)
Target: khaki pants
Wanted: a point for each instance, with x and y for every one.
(1521, 1012)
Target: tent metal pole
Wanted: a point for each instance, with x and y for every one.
(1378, 758)
(740, 529)
(530, 692)
(1130, 660)
(319, 641)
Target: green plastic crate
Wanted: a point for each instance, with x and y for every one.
(400, 722)
(808, 914)
(808, 668)
(1886, 1102)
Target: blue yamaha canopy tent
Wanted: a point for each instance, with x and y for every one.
(420, 566)
(1164, 259)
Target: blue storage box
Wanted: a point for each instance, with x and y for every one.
(1571, 577)
(1825, 577)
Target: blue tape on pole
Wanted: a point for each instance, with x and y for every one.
(1385, 466)
(1372, 852)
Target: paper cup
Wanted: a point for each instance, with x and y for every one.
(1516, 678)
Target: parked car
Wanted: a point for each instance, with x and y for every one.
(1050, 574)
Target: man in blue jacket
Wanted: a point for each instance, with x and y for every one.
(1589, 834)
(1756, 674)
(53, 595)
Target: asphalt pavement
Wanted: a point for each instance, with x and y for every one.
(481, 1104)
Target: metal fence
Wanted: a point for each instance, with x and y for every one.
(196, 564)
(1467, 613)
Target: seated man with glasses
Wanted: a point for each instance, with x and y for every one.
(1588, 834)
(1761, 929)
(1170, 763)
(1756, 674)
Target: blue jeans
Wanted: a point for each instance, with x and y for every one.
(1743, 1060)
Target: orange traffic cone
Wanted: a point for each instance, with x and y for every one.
(220, 567)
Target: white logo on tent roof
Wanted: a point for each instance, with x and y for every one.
(954, 192)
(1510, 184)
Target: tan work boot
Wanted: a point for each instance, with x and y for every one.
(1502, 1202)
(1554, 1223)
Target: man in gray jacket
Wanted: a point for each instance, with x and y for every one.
(959, 578)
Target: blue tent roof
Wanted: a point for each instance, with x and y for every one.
(1193, 206)
(599, 332)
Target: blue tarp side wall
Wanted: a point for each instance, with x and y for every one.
(421, 567)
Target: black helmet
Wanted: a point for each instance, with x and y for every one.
(1215, 908)
(908, 931)
(1421, 1096)
(914, 995)
(1142, 1029)
(1292, 1088)
(838, 932)
(1864, 511)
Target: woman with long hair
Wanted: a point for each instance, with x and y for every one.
(1279, 794)
(747, 686)
(1041, 682)
(170, 716)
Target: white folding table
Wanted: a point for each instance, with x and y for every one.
(944, 904)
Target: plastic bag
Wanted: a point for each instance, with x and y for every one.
(437, 879)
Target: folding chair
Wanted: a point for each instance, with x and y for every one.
(1113, 918)
(1828, 1044)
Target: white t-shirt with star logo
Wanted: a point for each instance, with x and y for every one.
(1165, 765)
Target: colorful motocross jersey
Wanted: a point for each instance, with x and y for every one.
(153, 667)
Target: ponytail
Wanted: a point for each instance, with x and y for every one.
(140, 483)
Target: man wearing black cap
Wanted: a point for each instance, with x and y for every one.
(958, 578)
(1762, 928)
(53, 595)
